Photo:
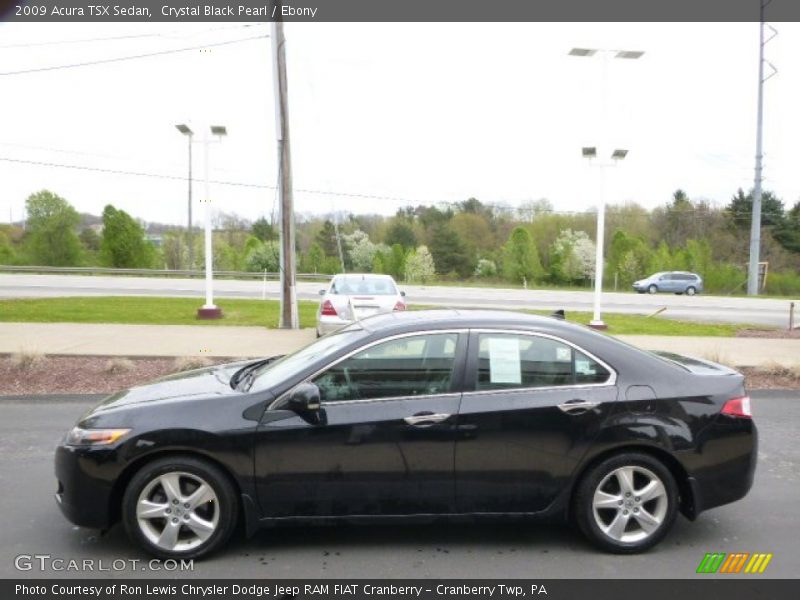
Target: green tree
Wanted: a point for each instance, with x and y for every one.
(7, 254)
(51, 239)
(740, 209)
(628, 256)
(326, 239)
(313, 260)
(450, 253)
(521, 259)
(401, 232)
(263, 256)
(123, 244)
(661, 259)
(263, 230)
(175, 250)
(90, 240)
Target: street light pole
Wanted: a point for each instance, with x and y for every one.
(189, 224)
(591, 153)
(209, 310)
(185, 130)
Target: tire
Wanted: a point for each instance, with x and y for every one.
(172, 531)
(652, 289)
(619, 528)
(691, 291)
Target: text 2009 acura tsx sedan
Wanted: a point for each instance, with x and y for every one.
(420, 415)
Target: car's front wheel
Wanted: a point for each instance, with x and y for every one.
(690, 291)
(652, 288)
(179, 507)
(627, 503)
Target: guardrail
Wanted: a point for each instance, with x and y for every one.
(158, 272)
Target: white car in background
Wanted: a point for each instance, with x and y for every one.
(354, 296)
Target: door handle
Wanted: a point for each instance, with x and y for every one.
(574, 407)
(423, 419)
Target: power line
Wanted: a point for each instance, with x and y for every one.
(131, 57)
(696, 213)
(183, 178)
(163, 34)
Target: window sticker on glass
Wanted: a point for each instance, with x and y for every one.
(563, 354)
(504, 360)
(584, 367)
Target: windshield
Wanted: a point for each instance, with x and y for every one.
(363, 285)
(272, 374)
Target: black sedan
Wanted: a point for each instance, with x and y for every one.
(417, 415)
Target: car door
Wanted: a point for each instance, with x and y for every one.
(386, 441)
(530, 409)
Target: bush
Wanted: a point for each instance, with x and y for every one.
(724, 279)
(485, 268)
(783, 284)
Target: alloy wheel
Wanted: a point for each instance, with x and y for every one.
(177, 511)
(630, 504)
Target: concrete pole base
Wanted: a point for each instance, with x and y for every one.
(209, 312)
(600, 325)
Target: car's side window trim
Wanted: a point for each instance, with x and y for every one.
(457, 378)
(471, 386)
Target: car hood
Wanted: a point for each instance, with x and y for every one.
(206, 382)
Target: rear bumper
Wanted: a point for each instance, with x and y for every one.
(331, 324)
(730, 477)
(83, 498)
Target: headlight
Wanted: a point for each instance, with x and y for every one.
(94, 437)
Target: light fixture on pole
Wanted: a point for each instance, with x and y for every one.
(185, 130)
(209, 310)
(590, 153)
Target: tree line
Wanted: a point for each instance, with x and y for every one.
(532, 245)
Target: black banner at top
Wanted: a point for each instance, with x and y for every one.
(395, 10)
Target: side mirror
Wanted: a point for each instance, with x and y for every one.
(402, 293)
(322, 292)
(304, 400)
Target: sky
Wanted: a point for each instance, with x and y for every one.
(386, 115)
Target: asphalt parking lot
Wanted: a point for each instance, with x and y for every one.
(767, 520)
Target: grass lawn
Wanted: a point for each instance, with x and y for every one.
(147, 310)
(264, 313)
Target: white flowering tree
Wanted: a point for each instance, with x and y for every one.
(361, 250)
(573, 256)
(419, 266)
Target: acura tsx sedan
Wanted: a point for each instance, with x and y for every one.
(417, 415)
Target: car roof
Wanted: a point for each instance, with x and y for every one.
(362, 276)
(411, 320)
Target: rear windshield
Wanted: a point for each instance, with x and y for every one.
(363, 286)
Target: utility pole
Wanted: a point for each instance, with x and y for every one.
(288, 270)
(755, 223)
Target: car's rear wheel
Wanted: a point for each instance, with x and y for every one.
(627, 503)
(652, 288)
(690, 291)
(179, 507)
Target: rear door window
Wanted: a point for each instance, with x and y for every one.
(508, 361)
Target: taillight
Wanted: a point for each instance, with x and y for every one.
(399, 306)
(738, 407)
(327, 309)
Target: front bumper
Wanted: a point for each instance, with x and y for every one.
(83, 492)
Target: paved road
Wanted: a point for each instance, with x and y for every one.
(767, 520)
(698, 308)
